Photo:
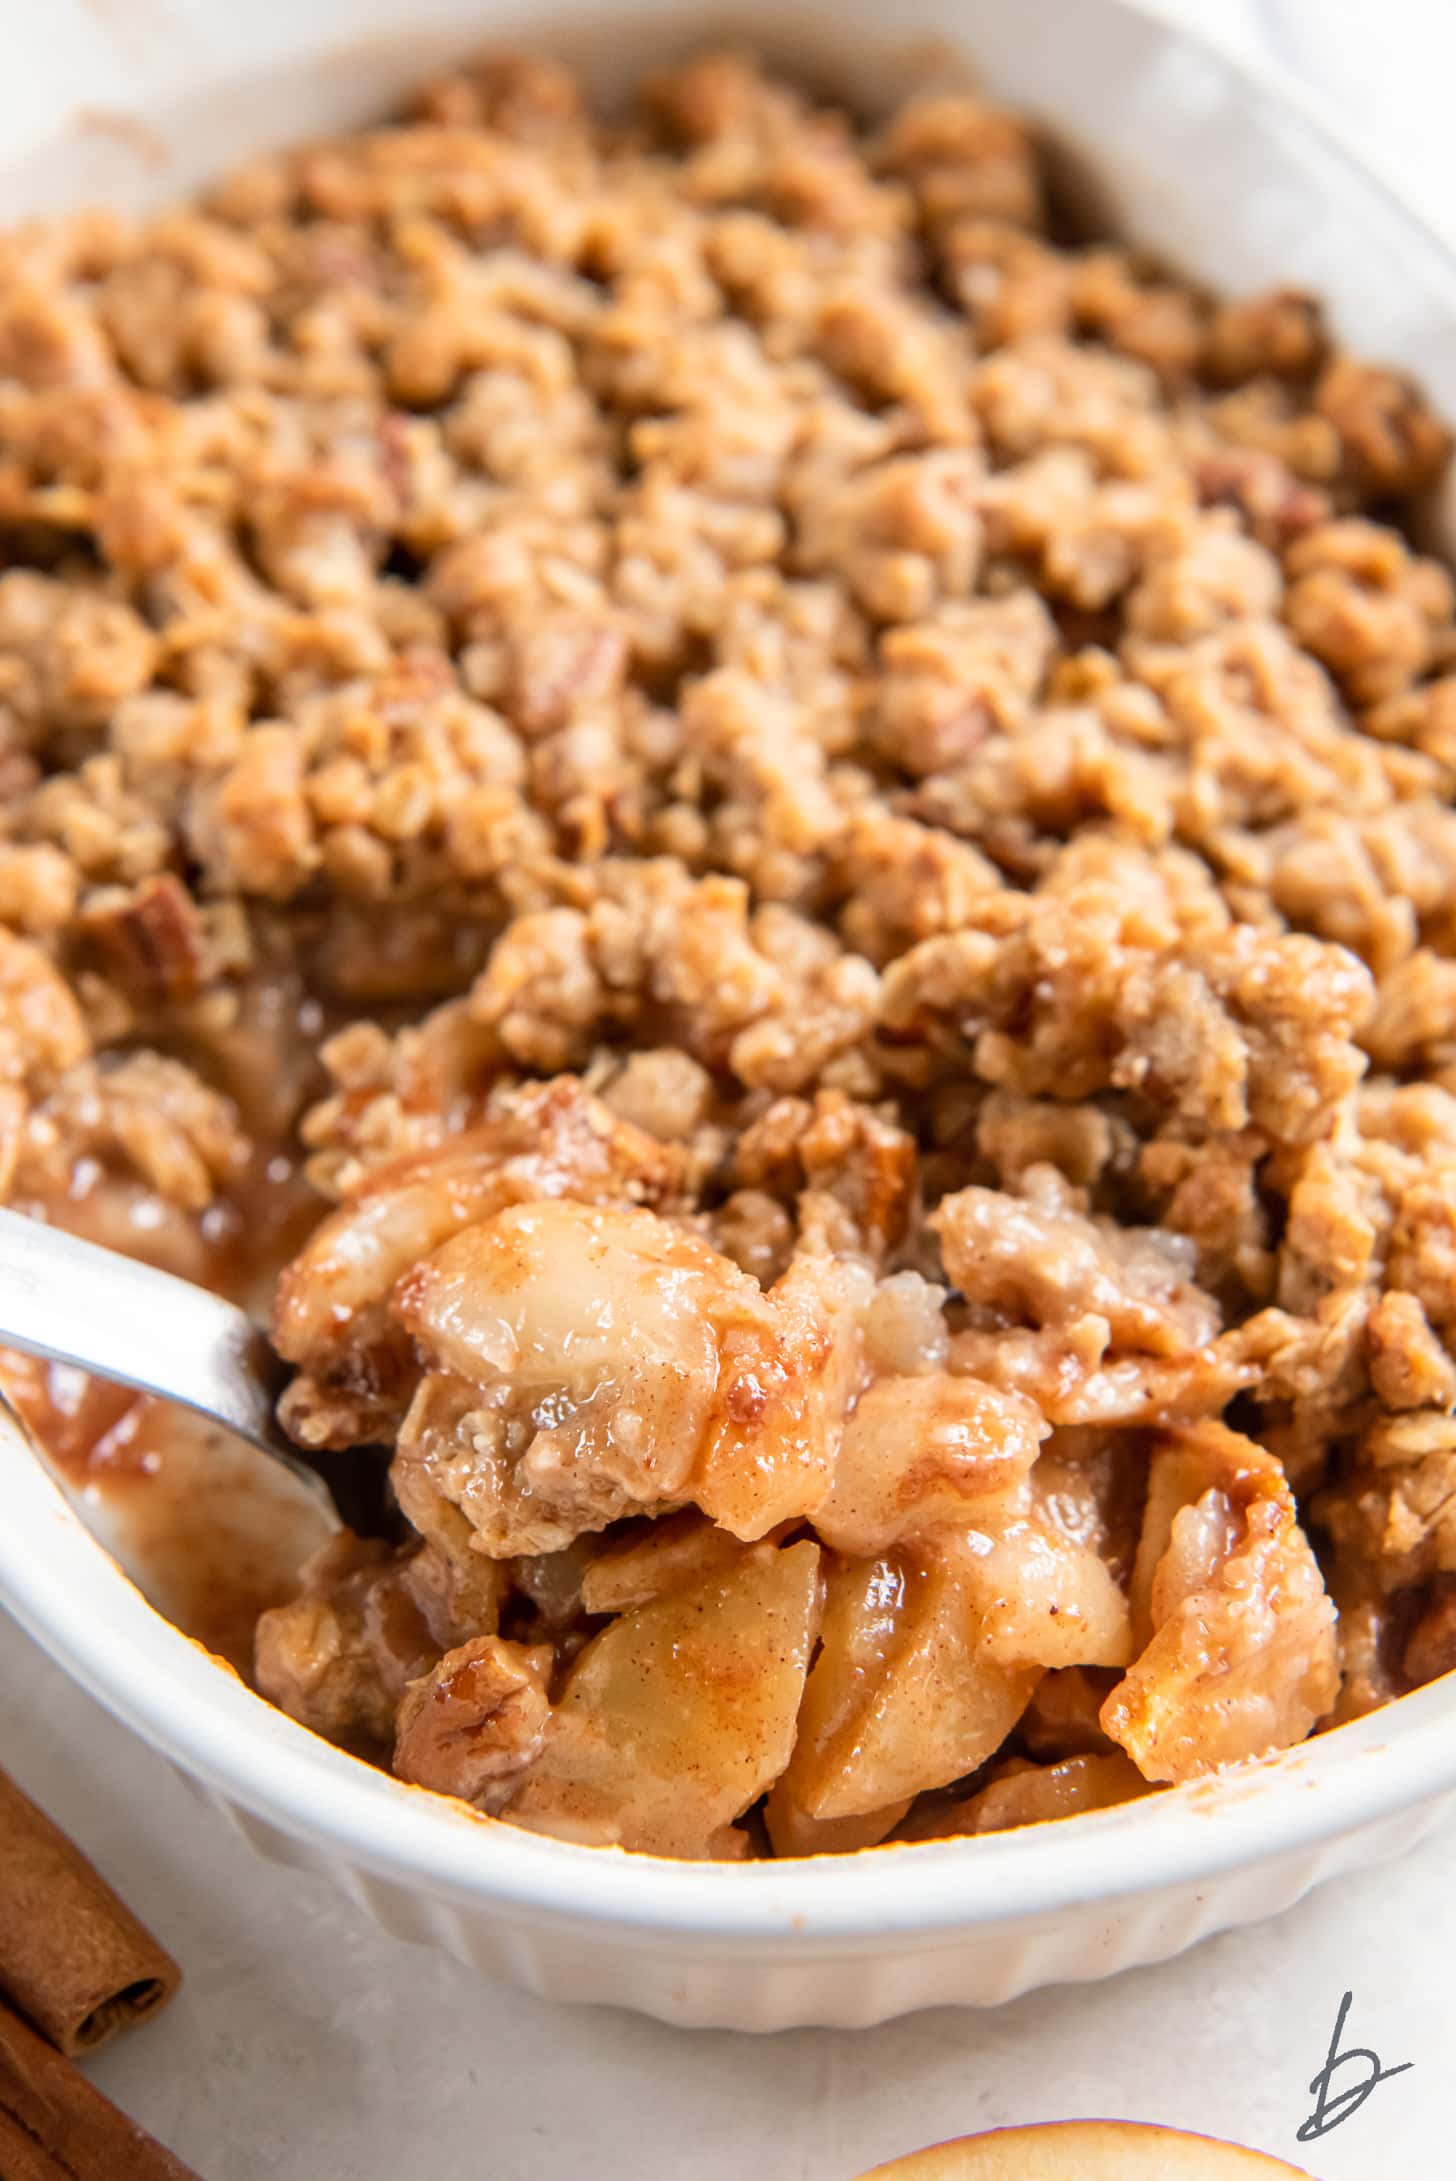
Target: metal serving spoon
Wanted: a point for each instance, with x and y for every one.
(75, 1302)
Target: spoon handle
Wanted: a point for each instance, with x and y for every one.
(75, 1302)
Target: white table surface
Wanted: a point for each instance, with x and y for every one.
(307, 2045)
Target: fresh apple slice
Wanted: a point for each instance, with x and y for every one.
(1086, 2150)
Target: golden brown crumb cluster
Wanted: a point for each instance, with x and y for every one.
(858, 797)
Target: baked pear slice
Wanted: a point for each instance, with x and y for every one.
(1086, 2150)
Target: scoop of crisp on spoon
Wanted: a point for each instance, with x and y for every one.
(75, 1302)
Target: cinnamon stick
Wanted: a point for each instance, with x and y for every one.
(73, 1958)
(55, 2126)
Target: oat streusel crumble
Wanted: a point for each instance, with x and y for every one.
(795, 840)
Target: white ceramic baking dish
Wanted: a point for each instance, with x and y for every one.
(1229, 178)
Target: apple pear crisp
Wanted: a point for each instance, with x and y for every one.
(774, 846)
